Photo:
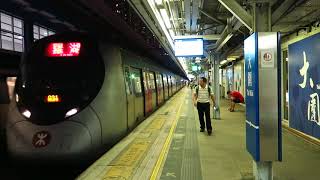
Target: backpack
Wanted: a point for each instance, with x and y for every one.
(209, 91)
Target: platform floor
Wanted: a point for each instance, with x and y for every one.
(168, 145)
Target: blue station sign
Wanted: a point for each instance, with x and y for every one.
(262, 83)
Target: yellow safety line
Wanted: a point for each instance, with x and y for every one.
(165, 147)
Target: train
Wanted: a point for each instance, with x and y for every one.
(76, 97)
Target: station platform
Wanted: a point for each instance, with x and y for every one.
(169, 145)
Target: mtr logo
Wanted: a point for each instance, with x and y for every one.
(41, 139)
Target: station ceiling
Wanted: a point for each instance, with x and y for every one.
(210, 17)
(112, 20)
(134, 21)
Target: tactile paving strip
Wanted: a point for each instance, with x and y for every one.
(183, 159)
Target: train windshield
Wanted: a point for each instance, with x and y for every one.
(60, 73)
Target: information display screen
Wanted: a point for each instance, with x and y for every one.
(188, 47)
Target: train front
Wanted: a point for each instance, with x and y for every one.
(51, 117)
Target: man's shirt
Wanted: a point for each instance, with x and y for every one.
(203, 94)
(237, 95)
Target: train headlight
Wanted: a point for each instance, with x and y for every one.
(26, 113)
(17, 98)
(71, 112)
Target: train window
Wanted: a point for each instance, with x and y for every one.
(145, 81)
(135, 76)
(138, 86)
(165, 83)
(128, 81)
(159, 81)
(151, 81)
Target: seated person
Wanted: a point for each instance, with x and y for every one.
(236, 97)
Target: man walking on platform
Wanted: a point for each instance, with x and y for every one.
(201, 99)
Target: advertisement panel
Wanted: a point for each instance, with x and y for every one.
(304, 85)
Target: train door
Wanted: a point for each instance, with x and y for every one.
(174, 86)
(165, 86)
(147, 93)
(170, 86)
(152, 85)
(150, 91)
(130, 99)
(135, 76)
(159, 88)
(178, 82)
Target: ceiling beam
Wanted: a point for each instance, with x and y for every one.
(226, 35)
(204, 29)
(195, 15)
(232, 25)
(281, 10)
(211, 17)
(205, 37)
(187, 14)
(241, 14)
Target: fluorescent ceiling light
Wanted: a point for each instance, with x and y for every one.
(223, 62)
(161, 22)
(231, 59)
(165, 18)
(158, 2)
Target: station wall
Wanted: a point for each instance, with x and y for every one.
(232, 78)
(300, 106)
(303, 82)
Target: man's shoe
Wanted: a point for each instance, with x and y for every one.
(209, 132)
(201, 130)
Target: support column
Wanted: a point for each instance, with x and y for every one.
(261, 17)
(4, 106)
(28, 34)
(262, 170)
(216, 85)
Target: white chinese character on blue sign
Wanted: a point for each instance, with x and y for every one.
(313, 103)
(313, 108)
